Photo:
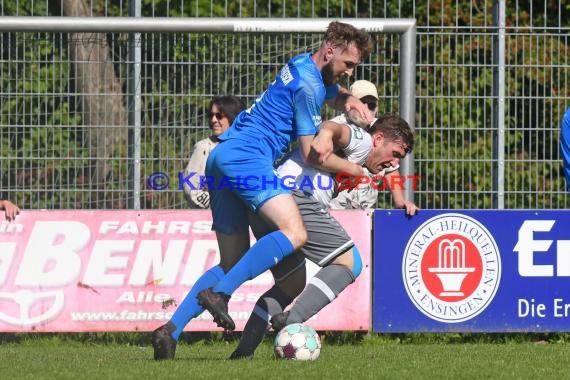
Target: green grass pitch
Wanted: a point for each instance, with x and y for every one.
(373, 357)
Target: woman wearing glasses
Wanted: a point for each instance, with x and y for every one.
(222, 111)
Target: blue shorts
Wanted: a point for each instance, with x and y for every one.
(241, 179)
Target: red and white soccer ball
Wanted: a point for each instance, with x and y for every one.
(297, 342)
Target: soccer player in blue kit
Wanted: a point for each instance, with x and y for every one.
(289, 110)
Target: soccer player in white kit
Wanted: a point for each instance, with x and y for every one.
(381, 145)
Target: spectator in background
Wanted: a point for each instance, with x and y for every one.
(10, 209)
(222, 111)
(366, 196)
(565, 146)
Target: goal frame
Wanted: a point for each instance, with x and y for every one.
(406, 28)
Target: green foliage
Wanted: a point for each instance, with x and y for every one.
(25, 8)
(41, 148)
(455, 153)
(44, 151)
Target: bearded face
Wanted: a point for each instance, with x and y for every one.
(340, 64)
(328, 74)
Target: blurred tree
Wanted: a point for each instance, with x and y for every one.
(100, 99)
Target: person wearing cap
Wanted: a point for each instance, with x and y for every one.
(366, 195)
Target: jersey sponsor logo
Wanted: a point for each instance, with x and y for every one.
(286, 75)
(317, 120)
(357, 133)
(451, 268)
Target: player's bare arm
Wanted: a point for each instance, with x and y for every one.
(317, 150)
(333, 133)
(346, 102)
(398, 198)
(335, 164)
(354, 117)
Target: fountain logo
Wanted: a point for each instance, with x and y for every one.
(451, 268)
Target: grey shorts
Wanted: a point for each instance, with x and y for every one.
(326, 238)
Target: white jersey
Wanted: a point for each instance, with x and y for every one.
(296, 174)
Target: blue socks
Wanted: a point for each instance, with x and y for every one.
(264, 254)
(189, 308)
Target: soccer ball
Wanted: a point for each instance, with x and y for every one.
(297, 342)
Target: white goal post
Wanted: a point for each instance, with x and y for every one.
(406, 28)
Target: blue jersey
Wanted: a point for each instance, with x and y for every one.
(289, 108)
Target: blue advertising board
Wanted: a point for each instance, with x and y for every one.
(471, 271)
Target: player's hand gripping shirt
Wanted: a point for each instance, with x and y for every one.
(321, 184)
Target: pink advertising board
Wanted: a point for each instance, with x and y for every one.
(67, 271)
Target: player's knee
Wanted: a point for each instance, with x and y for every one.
(303, 237)
(297, 236)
